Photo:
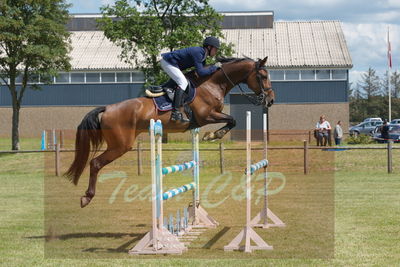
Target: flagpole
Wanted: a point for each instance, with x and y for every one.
(389, 75)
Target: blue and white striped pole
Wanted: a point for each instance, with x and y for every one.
(44, 139)
(176, 191)
(256, 166)
(179, 167)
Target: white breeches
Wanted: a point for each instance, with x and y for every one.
(175, 74)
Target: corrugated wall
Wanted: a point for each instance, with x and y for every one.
(103, 94)
(75, 94)
(307, 92)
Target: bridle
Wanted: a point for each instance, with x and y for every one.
(258, 99)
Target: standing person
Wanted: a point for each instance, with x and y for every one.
(322, 127)
(338, 133)
(385, 131)
(174, 62)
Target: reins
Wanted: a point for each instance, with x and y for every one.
(255, 100)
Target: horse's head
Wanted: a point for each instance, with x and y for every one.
(259, 82)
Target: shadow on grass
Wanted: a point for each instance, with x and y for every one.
(123, 248)
(216, 238)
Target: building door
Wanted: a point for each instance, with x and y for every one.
(239, 104)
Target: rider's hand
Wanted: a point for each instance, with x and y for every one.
(218, 64)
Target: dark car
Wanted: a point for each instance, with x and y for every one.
(394, 133)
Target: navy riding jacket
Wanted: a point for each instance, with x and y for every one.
(189, 57)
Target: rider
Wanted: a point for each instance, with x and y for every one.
(174, 62)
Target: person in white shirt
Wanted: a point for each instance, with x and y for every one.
(322, 128)
(338, 133)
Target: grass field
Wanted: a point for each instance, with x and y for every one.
(345, 213)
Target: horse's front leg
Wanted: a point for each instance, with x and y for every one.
(217, 117)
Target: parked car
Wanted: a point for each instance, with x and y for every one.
(372, 119)
(364, 128)
(394, 133)
(395, 121)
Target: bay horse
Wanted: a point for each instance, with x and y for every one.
(119, 124)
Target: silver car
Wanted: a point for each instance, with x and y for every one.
(364, 128)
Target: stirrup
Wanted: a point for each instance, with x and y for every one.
(178, 116)
(156, 89)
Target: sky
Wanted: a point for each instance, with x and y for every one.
(365, 24)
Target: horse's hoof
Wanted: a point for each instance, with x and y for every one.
(208, 136)
(85, 201)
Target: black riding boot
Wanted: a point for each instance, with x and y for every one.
(176, 114)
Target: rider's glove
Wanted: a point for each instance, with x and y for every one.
(218, 64)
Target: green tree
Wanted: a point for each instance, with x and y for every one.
(33, 41)
(370, 83)
(395, 83)
(147, 28)
(385, 84)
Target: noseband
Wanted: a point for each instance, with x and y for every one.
(258, 99)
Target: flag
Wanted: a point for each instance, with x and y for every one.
(389, 53)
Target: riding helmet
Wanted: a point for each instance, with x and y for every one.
(211, 40)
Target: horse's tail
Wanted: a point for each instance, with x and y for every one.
(89, 131)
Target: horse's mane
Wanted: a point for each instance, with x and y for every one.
(232, 59)
(223, 60)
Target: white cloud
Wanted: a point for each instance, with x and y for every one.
(393, 3)
(355, 76)
(368, 45)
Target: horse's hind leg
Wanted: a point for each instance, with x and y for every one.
(219, 118)
(119, 141)
(96, 165)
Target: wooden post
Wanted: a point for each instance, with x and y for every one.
(389, 156)
(309, 137)
(221, 157)
(267, 126)
(139, 158)
(57, 159)
(305, 157)
(54, 141)
(61, 139)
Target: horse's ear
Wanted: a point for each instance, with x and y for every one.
(263, 61)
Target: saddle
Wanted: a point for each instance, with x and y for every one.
(163, 97)
(168, 89)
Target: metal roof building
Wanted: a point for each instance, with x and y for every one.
(289, 44)
(308, 62)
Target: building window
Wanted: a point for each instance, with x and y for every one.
(108, 77)
(123, 77)
(323, 74)
(307, 74)
(62, 78)
(34, 78)
(339, 74)
(46, 79)
(137, 76)
(92, 77)
(292, 75)
(277, 75)
(78, 77)
(3, 80)
(18, 79)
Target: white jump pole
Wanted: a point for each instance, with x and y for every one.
(247, 234)
(261, 219)
(159, 240)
